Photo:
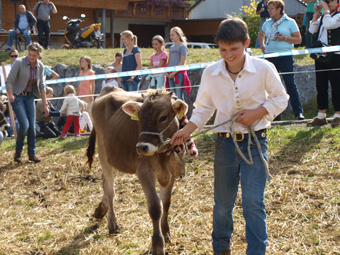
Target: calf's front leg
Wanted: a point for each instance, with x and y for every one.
(148, 180)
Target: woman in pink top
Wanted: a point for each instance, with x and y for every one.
(86, 87)
(158, 60)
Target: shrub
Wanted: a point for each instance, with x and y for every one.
(252, 20)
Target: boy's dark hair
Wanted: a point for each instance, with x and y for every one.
(232, 30)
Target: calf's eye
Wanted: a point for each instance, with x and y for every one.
(163, 118)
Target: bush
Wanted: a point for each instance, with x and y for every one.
(252, 20)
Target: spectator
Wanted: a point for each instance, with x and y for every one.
(110, 81)
(42, 12)
(281, 33)
(13, 54)
(47, 128)
(309, 16)
(86, 87)
(132, 61)
(23, 24)
(178, 81)
(85, 120)
(73, 107)
(49, 72)
(26, 81)
(157, 60)
(262, 10)
(327, 30)
(118, 66)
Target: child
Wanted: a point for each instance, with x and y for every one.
(47, 128)
(86, 87)
(177, 56)
(110, 81)
(85, 119)
(73, 107)
(159, 59)
(118, 65)
(238, 84)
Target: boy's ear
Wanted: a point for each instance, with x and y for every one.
(247, 43)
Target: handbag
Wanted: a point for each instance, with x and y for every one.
(324, 57)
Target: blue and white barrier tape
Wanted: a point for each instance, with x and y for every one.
(189, 67)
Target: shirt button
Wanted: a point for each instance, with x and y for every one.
(236, 88)
(238, 102)
(239, 76)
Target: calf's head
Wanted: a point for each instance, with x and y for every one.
(158, 120)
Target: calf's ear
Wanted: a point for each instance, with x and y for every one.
(180, 108)
(131, 107)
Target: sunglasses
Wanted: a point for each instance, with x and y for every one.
(13, 56)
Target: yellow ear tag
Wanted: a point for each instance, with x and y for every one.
(134, 116)
(181, 113)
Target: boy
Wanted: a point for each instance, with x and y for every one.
(73, 107)
(47, 127)
(238, 84)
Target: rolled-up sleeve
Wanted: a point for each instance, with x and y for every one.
(277, 100)
(41, 84)
(314, 26)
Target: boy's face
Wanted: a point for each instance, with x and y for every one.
(234, 53)
(49, 95)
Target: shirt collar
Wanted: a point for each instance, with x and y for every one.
(27, 62)
(248, 66)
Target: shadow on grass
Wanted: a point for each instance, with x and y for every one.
(299, 144)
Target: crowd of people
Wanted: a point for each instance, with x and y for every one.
(237, 86)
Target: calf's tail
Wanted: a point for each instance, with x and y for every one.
(91, 147)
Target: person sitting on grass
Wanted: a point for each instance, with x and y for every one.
(248, 87)
(47, 128)
(73, 107)
(85, 120)
(110, 81)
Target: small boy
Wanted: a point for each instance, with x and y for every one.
(73, 107)
(47, 127)
(238, 84)
(110, 81)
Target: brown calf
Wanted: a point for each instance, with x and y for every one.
(126, 145)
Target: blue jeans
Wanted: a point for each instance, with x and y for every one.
(286, 64)
(229, 170)
(43, 27)
(24, 109)
(177, 88)
(130, 85)
(13, 33)
(308, 35)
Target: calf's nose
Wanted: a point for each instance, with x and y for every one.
(142, 148)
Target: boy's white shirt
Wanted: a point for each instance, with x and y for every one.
(73, 105)
(258, 84)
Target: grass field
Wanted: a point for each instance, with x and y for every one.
(104, 57)
(46, 208)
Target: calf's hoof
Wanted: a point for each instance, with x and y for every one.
(114, 230)
(100, 211)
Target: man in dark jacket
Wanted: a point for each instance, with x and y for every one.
(24, 22)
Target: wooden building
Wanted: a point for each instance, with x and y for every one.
(115, 16)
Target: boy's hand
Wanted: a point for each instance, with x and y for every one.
(178, 137)
(250, 116)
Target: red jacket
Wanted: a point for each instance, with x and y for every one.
(186, 82)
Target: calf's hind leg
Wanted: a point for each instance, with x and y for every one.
(108, 175)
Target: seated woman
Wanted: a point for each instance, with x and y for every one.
(45, 127)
